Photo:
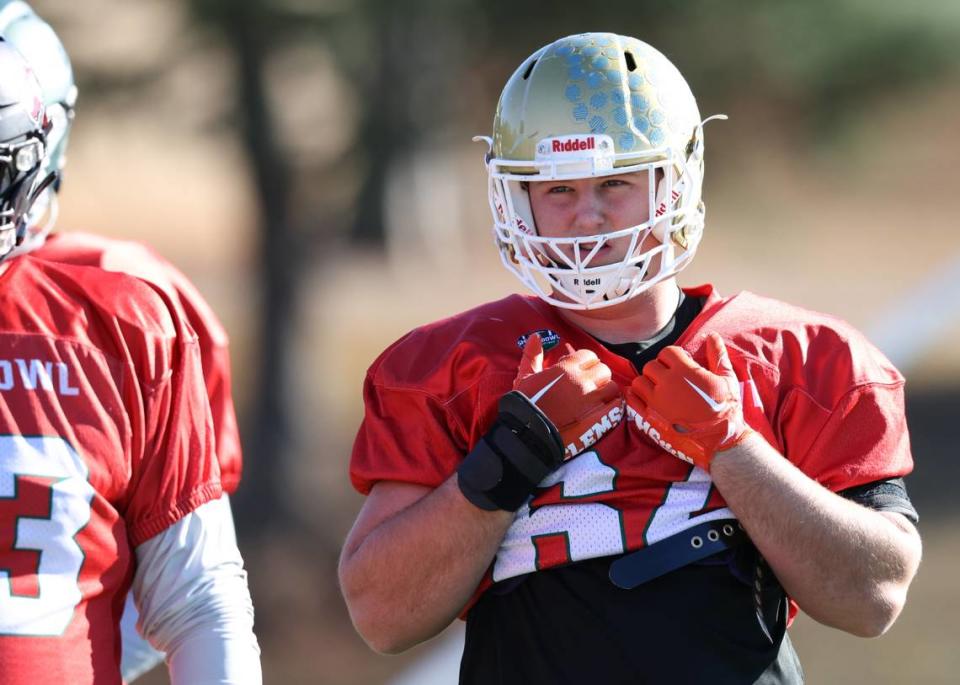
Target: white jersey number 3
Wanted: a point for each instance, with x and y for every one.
(44, 502)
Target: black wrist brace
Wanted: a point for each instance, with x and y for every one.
(506, 465)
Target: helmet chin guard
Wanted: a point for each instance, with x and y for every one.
(596, 105)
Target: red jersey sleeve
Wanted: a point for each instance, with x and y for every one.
(431, 395)
(215, 362)
(145, 263)
(860, 439)
(407, 435)
(834, 402)
(177, 470)
(841, 417)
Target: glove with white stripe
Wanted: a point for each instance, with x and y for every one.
(691, 411)
(551, 415)
(577, 394)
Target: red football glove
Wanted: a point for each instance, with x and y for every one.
(690, 411)
(577, 394)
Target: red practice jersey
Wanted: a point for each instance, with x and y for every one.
(812, 386)
(106, 440)
(140, 261)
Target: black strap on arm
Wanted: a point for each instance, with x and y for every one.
(889, 494)
(505, 467)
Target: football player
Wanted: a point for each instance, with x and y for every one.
(108, 473)
(618, 480)
(39, 44)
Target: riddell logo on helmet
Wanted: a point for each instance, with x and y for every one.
(578, 147)
(574, 144)
(662, 207)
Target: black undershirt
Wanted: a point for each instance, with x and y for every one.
(694, 625)
(642, 351)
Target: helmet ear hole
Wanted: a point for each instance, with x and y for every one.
(629, 59)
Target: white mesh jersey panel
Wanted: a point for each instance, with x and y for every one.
(593, 529)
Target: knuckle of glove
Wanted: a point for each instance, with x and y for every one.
(642, 389)
(609, 392)
(601, 374)
(655, 369)
(580, 357)
(567, 409)
(671, 356)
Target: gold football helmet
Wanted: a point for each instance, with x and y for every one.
(596, 104)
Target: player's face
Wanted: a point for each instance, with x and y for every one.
(593, 206)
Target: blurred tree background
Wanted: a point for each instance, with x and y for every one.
(308, 163)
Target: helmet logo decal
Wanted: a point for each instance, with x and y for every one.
(662, 207)
(521, 224)
(589, 282)
(576, 144)
(575, 147)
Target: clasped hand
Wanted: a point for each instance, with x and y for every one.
(692, 412)
(577, 394)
